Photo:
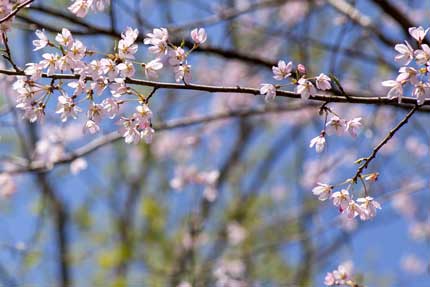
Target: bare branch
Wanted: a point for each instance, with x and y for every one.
(382, 143)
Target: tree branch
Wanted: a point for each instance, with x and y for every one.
(382, 143)
(15, 11)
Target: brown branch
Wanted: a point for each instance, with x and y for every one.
(15, 11)
(382, 143)
(337, 97)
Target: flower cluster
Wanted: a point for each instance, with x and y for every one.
(342, 276)
(306, 87)
(364, 207)
(81, 7)
(416, 66)
(335, 126)
(94, 76)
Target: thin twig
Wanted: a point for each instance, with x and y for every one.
(16, 10)
(382, 143)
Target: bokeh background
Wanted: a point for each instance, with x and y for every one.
(150, 215)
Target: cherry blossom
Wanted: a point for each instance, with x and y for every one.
(50, 62)
(151, 68)
(341, 199)
(67, 108)
(126, 69)
(323, 191)
(323, 82)
(34, 70)
(183, 73)
(129, 130)
(269, 91)
(111, 107)
(199, 36)
(406, 53)
(353, 126)
(407, 74)
(422, 56)
(418, 33)
(396, 90)
(368, 206)
(318, 142)
(64, 38)
(353, 209)
(421, 92)
(282, 71)
(341, 276)
(42, 42)
(91, 127)
(305, 88)
(80, 7)
(335, 125)
(126, 46)
(177, 56)
(158, 41)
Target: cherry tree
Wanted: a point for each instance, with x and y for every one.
(214, 143)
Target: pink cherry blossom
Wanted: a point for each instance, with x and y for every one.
(323, 191)
(305, 88)
(269, 91)
(199, 36)
(335, 125)
(329, 279)
(323, 82)
(353, 126)
(42, 42)
(421, 92)
(80, 7)
(50, 62)
(353, 209)
(111, 107)
(183, 73)
(418, 33)
(368, 206)
(282, 71)
(151, 69)
(64, 38)
(341, 199)
(396, 90)
(91, 127)
(126, 69)
(67, 108)
(177, 56)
